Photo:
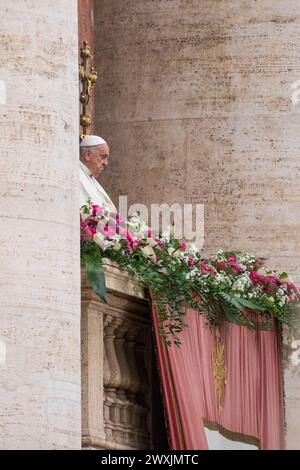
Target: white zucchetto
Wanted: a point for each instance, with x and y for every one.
(92, 141)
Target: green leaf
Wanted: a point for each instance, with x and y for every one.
(95, 276)
(230, 314)
(97, 281)
(232, 300)
(251, 305)
(284, 277)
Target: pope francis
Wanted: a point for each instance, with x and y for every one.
(94, 153)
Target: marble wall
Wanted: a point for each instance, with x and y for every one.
(195, 100)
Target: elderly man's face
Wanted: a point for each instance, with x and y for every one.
(96, 159)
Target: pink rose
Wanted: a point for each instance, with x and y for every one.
(97, 210)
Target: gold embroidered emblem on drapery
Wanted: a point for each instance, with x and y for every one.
(219, 369)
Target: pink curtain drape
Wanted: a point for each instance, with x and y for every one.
(252, 408)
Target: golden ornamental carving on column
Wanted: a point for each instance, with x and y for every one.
(88, 78)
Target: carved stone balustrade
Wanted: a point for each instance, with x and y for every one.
(121, 404)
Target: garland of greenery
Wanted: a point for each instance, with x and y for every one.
(230, 285)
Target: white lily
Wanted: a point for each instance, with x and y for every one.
(100, 240)
(151, 242)
(148, 252)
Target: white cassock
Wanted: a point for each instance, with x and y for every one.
(91, 189)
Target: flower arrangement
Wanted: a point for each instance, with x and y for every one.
(231, 285)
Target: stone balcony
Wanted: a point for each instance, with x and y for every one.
(121, 402)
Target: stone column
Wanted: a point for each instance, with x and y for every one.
(39, 248)
(195, 101)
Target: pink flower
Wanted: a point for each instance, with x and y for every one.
(221, 266)
(115, 219)
(253, 276)
(232, 262)
(134, 244)
(205, 268)
(87, 232)
(92, 220)
(291, 286)
(183, 246)
(273, 280)
(236, 268)
(128, 235)
(109, 232)
(97, 210)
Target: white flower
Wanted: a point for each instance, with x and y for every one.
(151, 242)
(245, 259)
(136, 225)
(192, 248)
(242, 283)
(174, 252)
(163, 270)
(105, 219)
(100, 240)
(85, 216)
(221, 279)
(148, 252)
(116, 245)
(219, 256)
(193, 273)
(165, 236)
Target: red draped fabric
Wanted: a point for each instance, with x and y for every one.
(252, 409)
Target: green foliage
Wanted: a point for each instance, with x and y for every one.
(230, 285)
(92, 261)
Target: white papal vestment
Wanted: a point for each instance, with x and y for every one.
(91, 189)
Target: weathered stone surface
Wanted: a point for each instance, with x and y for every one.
(39, 249)
(121, 402)
(86, 22)
(195, 101)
